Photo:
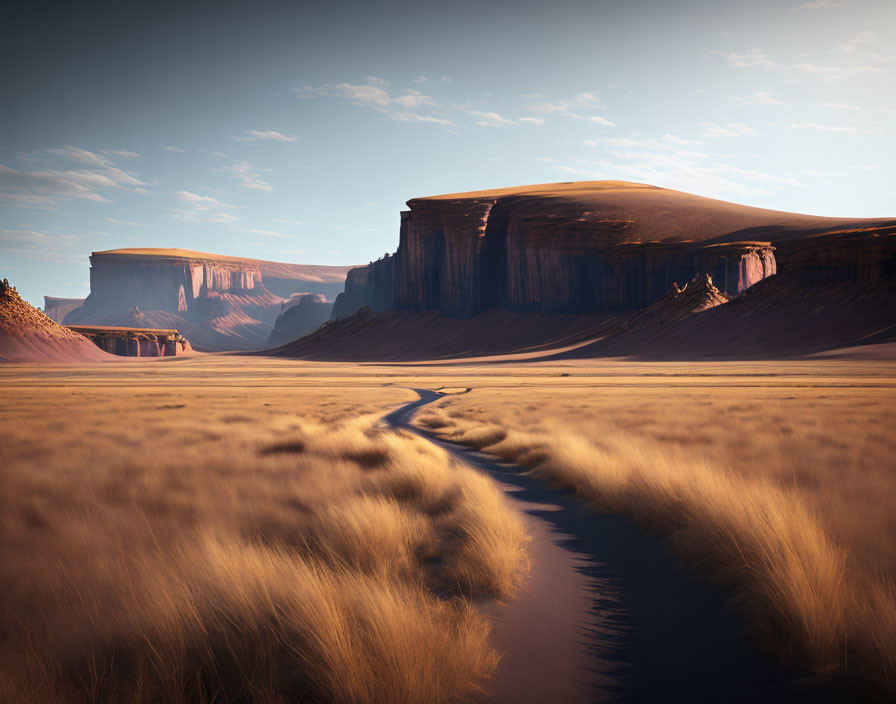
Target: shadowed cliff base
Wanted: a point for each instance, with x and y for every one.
(776, 318)
(414, 335)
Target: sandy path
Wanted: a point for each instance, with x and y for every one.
(607, 613)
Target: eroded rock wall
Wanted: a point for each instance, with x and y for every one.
(220, 302)
(530, 254)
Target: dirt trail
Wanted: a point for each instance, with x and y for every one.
(606, 613)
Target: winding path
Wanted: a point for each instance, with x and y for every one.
(607, 614)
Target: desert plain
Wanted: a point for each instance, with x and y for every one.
(242, 528)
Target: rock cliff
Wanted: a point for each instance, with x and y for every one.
(581, 247)
(302, 314)
(218, 302)
(58, 308)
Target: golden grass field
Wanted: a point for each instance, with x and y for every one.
(781, 486)
(211, 537)
(190, 529)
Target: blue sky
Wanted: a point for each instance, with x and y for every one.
(282, 132)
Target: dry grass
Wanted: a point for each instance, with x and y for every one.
(782, 490)
(220, 538)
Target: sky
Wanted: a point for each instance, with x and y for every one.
(291, 132)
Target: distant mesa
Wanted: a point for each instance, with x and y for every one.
(58, 308)
(217, 302)
(604, 250)
(28, 335)
(301, 314)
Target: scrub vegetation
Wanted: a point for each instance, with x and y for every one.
(232, 540)
(782, 491)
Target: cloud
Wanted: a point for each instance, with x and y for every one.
(122, 153)
(823, 128)
(414, 117)
(860, 39)
(255, 135)
(682, 172)
(39, 245)
(364, 95)
(836, 73)
(413, 99)
(244, 172)
(174, 150)
(760, 97)
(753, 57)
(202, 209)
(757, 57)
(733, 129)
(600, 121)
(222, 217)
(532, 120)
(115, 221)
(377, 81)
(271, 233)
(199, 202)
(820, 5)
(46, 187)
(490, 119)
(840, 106)
(569, 106)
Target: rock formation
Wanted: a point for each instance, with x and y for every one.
(575, 250)
(135, 341)
(218, 302)
(697, 295)
(58, 308)
(302, 313)
(28, 335)
(572, 248)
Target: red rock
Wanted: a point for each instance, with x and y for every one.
(28, 335)
(575, 247)
(58, 308)
(216, 301)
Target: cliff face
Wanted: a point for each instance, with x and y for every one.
(58, 308)
(578, 247)
(302, 314)
(218, 302)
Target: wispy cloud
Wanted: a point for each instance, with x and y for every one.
(173, 150)
(823, 128)
(34, 244)
(46, 187)
(858, 40)
(820, 5)
(490, 119)
(760, 97)
(413, 99)
(732, 129)
(246, 175)
(836, 73)
(271, 233)
(199, 208)
(840, 106)
(271, 135)
(199, 202)
(414, 117)
(752, 57)
(125, 153)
